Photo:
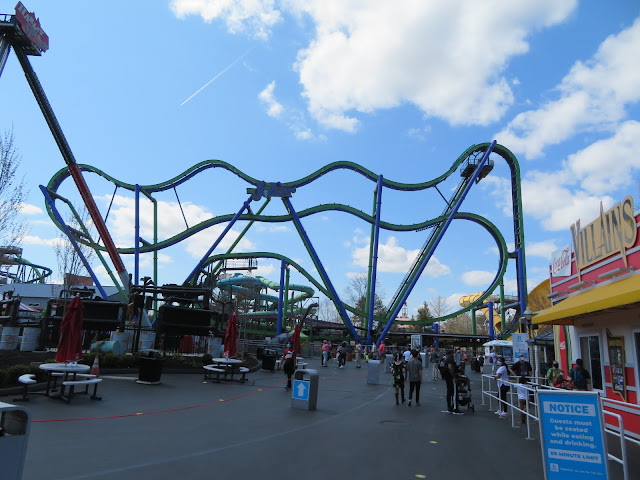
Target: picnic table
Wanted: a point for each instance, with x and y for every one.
(228, 367)
(72, 375)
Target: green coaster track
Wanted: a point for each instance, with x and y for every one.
(437, 226)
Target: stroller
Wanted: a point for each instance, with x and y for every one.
(463, 392)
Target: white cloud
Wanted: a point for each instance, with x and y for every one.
(266, 96)
(294, 120)
(28, 209)
(593, 95)
(394, 258)
(121, 221)
(324, 218)
(255, 17)
(271, 228)
(453, 301)
(542, 249)
(478, 278)
(575, 189)
(560, 205)
(265, 269)
(34, 240)
(609, 164)
(374, 55)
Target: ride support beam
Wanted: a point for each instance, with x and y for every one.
(492, 331)
(195, 271)
(320, 268)
(70, 160)
(283, 267)
(367, 325)
(374, 259)
(438, 238)
(73, 241)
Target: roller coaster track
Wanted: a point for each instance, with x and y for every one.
(25, 272)
(436, 223)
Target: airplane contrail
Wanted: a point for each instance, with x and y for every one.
(218, 75)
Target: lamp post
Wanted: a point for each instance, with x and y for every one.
(527, 315)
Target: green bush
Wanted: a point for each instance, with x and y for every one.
(15, 372)
(207, 359)
(4, 377)
(109, 360)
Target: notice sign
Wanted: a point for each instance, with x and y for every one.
(572, 435)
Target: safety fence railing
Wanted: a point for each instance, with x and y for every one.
(530, 412)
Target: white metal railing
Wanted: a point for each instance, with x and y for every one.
(531, 412)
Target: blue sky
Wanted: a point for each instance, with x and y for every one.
(402, 88)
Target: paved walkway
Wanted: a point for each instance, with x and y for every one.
(187, 429)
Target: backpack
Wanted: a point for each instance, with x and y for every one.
(444, 371)
(578, 379)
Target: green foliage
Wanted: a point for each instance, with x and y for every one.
(15, 372)
(4, 378)
(207, 359)
(423, 312)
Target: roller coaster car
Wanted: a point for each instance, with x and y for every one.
(186, 321)
(98, 314)
(470, 165)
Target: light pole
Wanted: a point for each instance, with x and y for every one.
(527, 315)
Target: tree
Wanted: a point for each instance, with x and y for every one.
(423, 312)
(12, 193)
(327, 311)
(356, 293)
(438, 306)
(459, 324)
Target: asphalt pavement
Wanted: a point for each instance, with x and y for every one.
(185, 428)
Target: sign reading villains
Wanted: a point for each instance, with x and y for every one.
(572, 436)
(264, 189)
(31, 27)
(614, 231)
(616, 363)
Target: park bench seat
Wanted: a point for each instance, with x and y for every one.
(86, 382)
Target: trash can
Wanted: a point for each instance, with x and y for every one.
(373, 373)
(14, 435)
(268, 359)
(304, 392)
(150, 367)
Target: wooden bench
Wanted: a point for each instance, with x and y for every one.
(86, 382)
(212, 370)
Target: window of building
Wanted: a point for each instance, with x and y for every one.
(590, 352)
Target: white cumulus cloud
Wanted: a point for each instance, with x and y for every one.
(593, 95)
(266, 96)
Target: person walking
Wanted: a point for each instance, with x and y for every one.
(552, 373)
(502, 377)
(381, 349)
(481, 363)
(414, 369)
(579, 376)
(358, 353)
(523, 394)
(449, 374)
(342, 355)
(325, 352)
(492, 361)
(288, 363)
(398, 370)
(407, 354)
(434, 358)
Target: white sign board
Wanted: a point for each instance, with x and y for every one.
(520, 346)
